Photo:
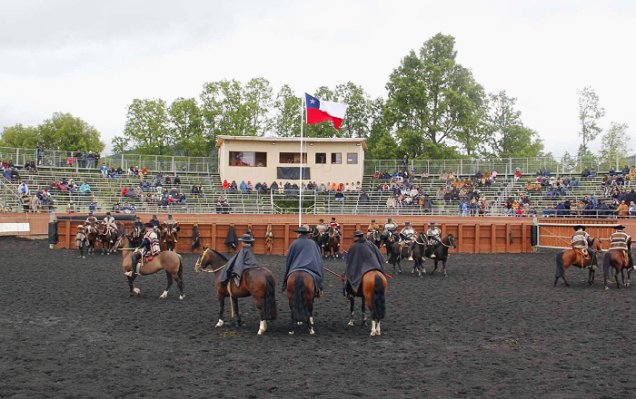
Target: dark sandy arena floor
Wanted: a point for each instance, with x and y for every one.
(495, 328)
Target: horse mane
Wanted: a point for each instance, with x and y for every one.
(219, 254)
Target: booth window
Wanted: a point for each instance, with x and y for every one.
(291, 157)
(336, 157)
(321, 157)
(352, 157)
(248, 158)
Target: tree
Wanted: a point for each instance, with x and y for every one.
(288, 108)
(431, 94)
(19, 136)
(615, 145)
(359, 117)
(147, 128)
(258, 104)
(508, 137)
(589, 113)
(66, 132)
(187, 128)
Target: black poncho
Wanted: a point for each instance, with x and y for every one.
(195, 238)
(231, 240)
(237, 264)
(363, 256)
(304, 254)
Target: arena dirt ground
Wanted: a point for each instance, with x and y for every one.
(495, 328)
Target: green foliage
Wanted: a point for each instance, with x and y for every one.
(589, 113)
(384, 146)
(61, 131)
(288, 108)
(187, 128)
(147, 127)
(615, 145)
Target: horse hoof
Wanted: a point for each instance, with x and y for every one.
(164, 295)
(312, 332)
(291, 333)
(136, 291)
(606, 288)
(219, 324)
(350, 323)
(181, 297)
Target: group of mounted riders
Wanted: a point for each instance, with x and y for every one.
(407, 237)
(582, 243)
(147, 236)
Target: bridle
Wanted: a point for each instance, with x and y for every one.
(197, 265)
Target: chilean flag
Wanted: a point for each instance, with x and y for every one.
(320, 111)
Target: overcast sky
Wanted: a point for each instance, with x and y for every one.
(91, 58)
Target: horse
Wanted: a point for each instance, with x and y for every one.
(574, 257)
(441, 252)
(617, 259)
(320, 239)
(301, 293)
(387, 240)
(398, 251)
(107, 236)
(168, 234)
(332, 246)
(419, 249)
(257, 282)
(375, 237)
(136, 236)
(166, 260)
(92, 235)
(372, 291)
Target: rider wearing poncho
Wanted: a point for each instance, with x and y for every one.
(335, 227)
(110, 222)
(149, 244)
(389, 228)
(304, 255)
(581, 241)
(322, 228)
(363, 257)
(408, 235)
(156, 224)
(240, 262)
(172, 224)
(622, 241)
(91, 222)
(434, 236)
(373, 230)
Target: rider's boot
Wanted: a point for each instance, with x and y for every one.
(133, 270)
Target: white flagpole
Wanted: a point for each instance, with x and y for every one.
(300, 186)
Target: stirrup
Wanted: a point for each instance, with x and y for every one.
(128, 273)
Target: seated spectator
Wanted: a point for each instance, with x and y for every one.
(124, 191)
(340, 196)
(177, 180)
(23, 189)
(363, 199)
(104, 170)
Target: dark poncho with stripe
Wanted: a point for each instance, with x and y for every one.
(304, 254)
(237, 264)
(363, 257)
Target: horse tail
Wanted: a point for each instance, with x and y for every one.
(268, 311)
(378, 299)
(559, 266)
(607, 262)
(299, 306)
(180, 271)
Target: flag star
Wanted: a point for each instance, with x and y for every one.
(312, 101)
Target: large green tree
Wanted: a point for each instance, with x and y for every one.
(187, 128)
(615, 145)
(19, 136)
(432, 95)
(590, 111)
(147, 129)
(509, 138)
(287, 109)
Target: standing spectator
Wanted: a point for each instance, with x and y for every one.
(39, 154)
(90, 159)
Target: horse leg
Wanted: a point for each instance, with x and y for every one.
(629, 273)
(364, 315)
(164, 295)
(351, 323)
(221, 307)
(444, 267)
(623, 277)
(237, 314)
(134, 291)
(616, 278)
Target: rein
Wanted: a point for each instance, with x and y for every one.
(198, 268)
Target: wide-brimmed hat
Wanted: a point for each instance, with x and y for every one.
(302, 230)
(579, 227)
(372, 220)
(358, 233)
(79, 226)
(247, 238)
(620, 227)
(432, 223)
(407, 223)
(108, 213)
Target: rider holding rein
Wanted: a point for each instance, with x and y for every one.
(110, 222)
(363, 257)
(334, 225)
(172, 224)
(389, 228)
(156, 224)
(580, 241)
(373, 227)
(150, 243)
(434, 236)
(623, 242)
(137, 225)
(91, 221)
(244, 259)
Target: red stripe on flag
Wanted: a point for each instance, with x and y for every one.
(315, 115)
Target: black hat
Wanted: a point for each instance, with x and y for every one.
(108, 213)
(390, 220)
(432, 223)
(579, 227)
(358, 233)
(372, 220)
(149, 224)
(333, 218)
(407, 222)
(302, 230)
(247, 238)
(620, 227)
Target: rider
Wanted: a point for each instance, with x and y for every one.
(156, 224)
(137, 225)
(91, 222)
(172, 224)
(363, 257)
(434, 234)
(373, 230)
(244, 259)
(109, 221)
(581, 241)
(622, 241)
(304, 255)
(150, 243)
(408, 235)
(335, 227)
(81, 241)
(389, 229)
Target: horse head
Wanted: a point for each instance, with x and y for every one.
(450, 241)
(209, 258)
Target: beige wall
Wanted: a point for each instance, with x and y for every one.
(320, 173)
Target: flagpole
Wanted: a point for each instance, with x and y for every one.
(300, 175)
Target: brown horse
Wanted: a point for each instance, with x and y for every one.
(257, 282)
(301, 293)
(619, 261)
(166, 260)
(576, 257)
(107, 236)
(441, 252)
(332, 247)
(372, 291)
(92, 237)
(169, 238)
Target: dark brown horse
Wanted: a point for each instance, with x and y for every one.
(301, 293)
(107, 236)
(92, 235)
(397, 251)
(332, 247)
(581, 259)
(169, 236)
(375, 237)
(166, 260)
(372, 291)
(257, 282)
(441, 252)
(619, 261)
(419, 249)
